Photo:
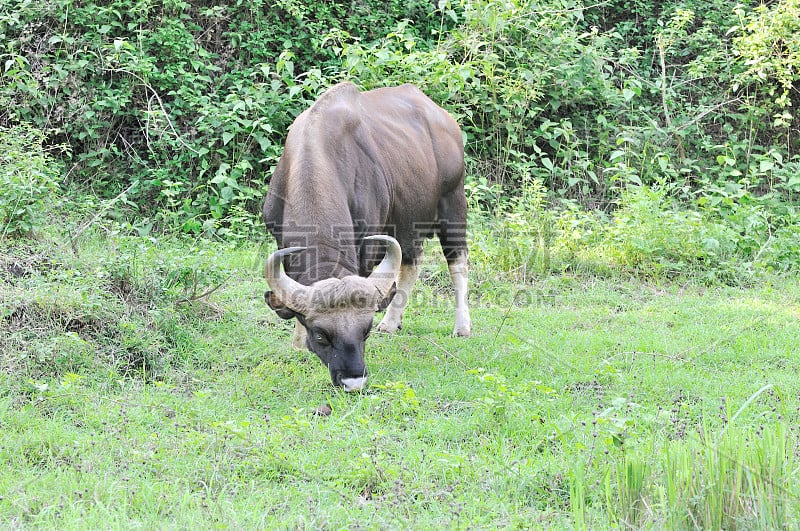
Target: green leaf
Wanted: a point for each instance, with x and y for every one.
(628, 94)
(616, 154)
(263, 142)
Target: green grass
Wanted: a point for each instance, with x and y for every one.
(128, 400)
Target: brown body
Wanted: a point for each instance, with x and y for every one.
(387, 161)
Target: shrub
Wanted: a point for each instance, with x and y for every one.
(27, 180)
(514, 238)
(651, 234)
(766, 45)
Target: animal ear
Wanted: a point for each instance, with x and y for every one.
(281, 309)
(382, 305)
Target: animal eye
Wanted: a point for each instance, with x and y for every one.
(321, 337)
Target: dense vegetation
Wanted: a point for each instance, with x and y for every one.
(655, 137)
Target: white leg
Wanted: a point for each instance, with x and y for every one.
(394, 313)
(299, 339)
(458, 274)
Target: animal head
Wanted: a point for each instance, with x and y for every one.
(337, 313)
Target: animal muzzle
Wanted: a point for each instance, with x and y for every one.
(350, 383)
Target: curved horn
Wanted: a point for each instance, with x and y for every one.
(289, 291)
(385, 274)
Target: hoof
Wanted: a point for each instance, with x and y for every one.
(462, 332)
(463, 325)
(388, 329)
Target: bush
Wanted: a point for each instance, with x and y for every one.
(652, 235)
(515, 236)
(27, 180)
(182, 103)
(766, 45)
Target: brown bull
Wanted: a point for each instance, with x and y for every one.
(355, 168)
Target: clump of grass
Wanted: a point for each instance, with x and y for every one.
(741, 479)
(630, 477)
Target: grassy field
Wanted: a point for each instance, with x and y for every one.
(145, 383)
